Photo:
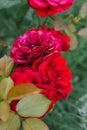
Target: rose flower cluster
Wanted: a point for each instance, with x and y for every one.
(37, 54)
(50, 7)
(35, 75)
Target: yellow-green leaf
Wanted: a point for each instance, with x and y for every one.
(33, 106)
(26, 126)
(73, 42)
(71, 27)
(19, 91)
(6, 65)
(3, 125)
(34, 124)
(73, 38)
(83, 32)
(5, 85)
(58, 25)
(83, 8)
(13, 123)
(4, 110)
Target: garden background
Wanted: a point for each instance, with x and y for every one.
(16, 18)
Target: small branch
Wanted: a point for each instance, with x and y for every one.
(45, 21)
(53, 18)
(78, 18)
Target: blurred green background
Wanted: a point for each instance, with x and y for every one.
(16, 18)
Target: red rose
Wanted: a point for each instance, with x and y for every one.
(36, 44)
(55, 77)
(52, 75)
(26, 75)
(50, 7)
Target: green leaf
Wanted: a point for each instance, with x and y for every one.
(8, 3)
(73, 39)
(33, 106)
(34, 124)
(5, 85)
(6, 65)
(58, 25)
(4, 111)
(19, 91)
(13, 123)
(26, 126)
(83, 32)
(83, 8)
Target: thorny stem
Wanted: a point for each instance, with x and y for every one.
(38, 21)
(45, 21)
(53, 18)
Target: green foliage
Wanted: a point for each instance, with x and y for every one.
(16, 18)
(8, 3)
(33, 106)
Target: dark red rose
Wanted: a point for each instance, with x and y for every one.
(50, 7)
(25, 75)
(55, 77)
(36, 44)
(52, 75)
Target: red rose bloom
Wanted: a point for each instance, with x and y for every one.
(50, 7)
(52, 75)
(55, 76)
(26, 75)
(36, 44)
